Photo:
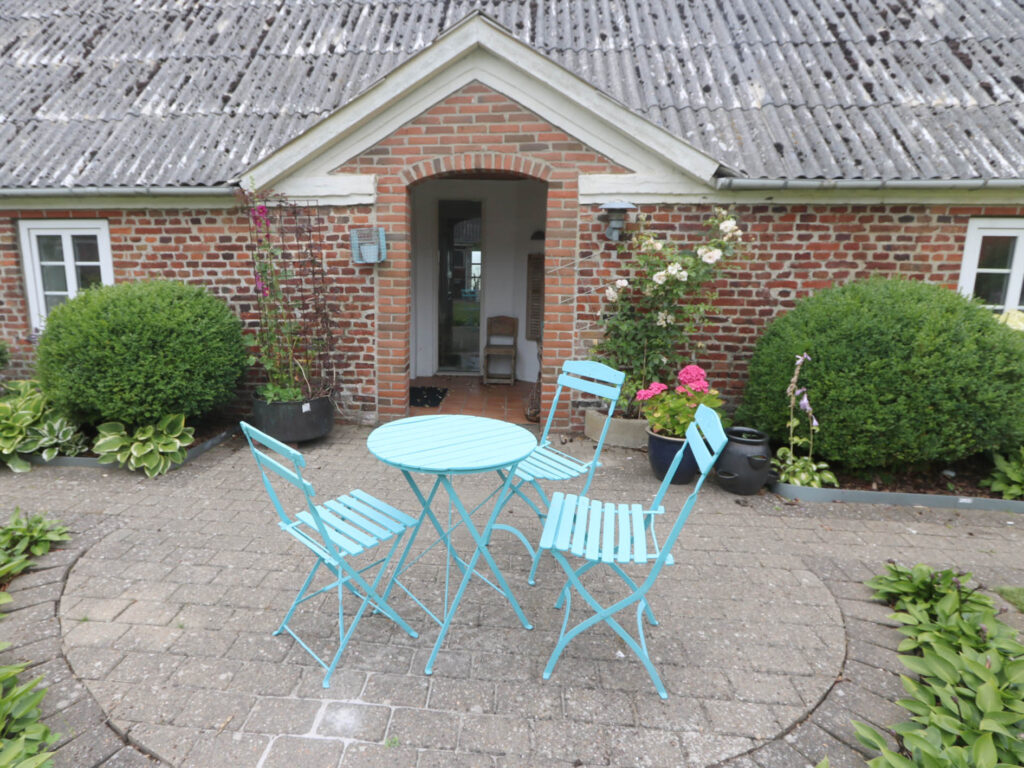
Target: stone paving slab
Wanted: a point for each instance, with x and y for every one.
(153, 629)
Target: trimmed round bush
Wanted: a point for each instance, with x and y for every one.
(901, 372)
(136, 352)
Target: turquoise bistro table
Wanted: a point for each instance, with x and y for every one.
(445, 446)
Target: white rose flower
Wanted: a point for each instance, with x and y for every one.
(611, 294)
(674, 269)
(659, 277)
(682, 276)
(664, 318)
(710, 255)
(657, 246)
(621, 283)
(727, 226)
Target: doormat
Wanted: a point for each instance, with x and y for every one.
(426, 397)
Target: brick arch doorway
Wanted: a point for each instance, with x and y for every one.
(475, 239)
(395, 316)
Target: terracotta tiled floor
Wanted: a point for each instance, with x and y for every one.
(466, 394)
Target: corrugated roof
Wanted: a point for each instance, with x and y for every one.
(191, 93)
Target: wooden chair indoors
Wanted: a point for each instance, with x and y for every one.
(500, 346)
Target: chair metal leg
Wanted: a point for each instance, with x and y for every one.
(601, 614)
(298, 598)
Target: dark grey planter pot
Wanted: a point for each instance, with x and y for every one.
(294, 422)
(938, 501)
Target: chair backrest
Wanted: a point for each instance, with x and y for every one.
(272, 457)
(706, 440)
(593, 378)
(503, 326)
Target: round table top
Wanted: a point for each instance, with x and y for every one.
(450, 444)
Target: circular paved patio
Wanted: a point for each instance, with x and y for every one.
(166, 617)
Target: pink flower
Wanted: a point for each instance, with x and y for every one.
(644, 394)
(657, 387)
(692, 373)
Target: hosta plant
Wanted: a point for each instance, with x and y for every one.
(154, 448)
(22, 737)
(1008, 476)
(29, 424)
(792, 468)
(30, 535)
(967, 703)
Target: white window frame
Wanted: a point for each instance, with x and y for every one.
(976, 230)
(30, 229)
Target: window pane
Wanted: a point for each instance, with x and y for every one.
(996, 252)
(88, 275)
(991, 288)
(54, 277)
(50, 248)
(87, 249)
(53, 301)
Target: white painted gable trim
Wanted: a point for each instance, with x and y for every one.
(479, 50)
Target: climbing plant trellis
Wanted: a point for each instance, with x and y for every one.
(294, 335)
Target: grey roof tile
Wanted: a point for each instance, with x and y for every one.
(187, 92)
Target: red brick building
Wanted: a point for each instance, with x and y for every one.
(476, 145)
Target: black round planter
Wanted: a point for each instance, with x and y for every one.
(744, 464)
(293, 422)
(660, 452)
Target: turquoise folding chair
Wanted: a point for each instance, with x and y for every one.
(336, 532)
(547, 462)
(605, 533)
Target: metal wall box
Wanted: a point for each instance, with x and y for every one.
(368, 245)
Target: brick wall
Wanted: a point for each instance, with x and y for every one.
(475, 131)
(209, 247)
(790, 251)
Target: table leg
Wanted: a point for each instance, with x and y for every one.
(481, 540)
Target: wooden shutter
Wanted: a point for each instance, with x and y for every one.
(534, 296)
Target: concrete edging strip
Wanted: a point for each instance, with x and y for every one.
(803, 493)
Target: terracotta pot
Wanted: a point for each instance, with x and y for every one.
(293, 422)
(661, 450)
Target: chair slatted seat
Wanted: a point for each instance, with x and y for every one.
(338, 532)
(615, 535)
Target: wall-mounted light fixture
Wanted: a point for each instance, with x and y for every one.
(615, 214)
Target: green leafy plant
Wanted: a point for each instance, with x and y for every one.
(794, 469)
(1008, 476)
(967, 706)
(133, 352)
(30, 424)
(33, 535)
(154, 448)
(905, 373)
(5, 357)
(294, 334)
(669, 411)
(22, 737)
(648, 317)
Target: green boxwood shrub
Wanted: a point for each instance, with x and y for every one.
(135, 352)
(901, 372)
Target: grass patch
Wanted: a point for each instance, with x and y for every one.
(1013, 595)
